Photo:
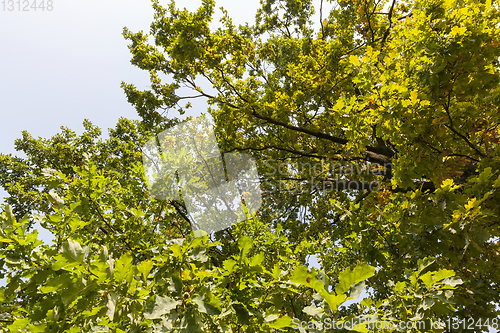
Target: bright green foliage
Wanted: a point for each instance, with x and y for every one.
(172, 287)
(401, 100)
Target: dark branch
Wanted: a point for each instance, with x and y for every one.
(389, 17)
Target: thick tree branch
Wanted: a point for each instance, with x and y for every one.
(181, 212)
(379, 155)
(107, 223)
(296, 152)
(460, 135)
(374, 154)
(389, 17)
(325, 183)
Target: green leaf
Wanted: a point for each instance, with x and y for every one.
(62, 261)
(496, 184)
(229, 265)
(73, 251)
(354, 60)
(257, 259)
(39, 328)
(144, 268)
(284, 321)
(241, 313)
(427, 279)
(301, 275)
(206, 307)
(162, 306)
(313, 310)
(13, 260)
(348, 278)
(244, 244)
(452, 281)
(425, 262)
(72, 292)
(177, 250)
(56, 283)
(55, 198)
(432, 277)
(124, 269)
(199, 233)
(111, 305)
(428, 303)
(443, 274)
(333, 301)
(76, 223)
(191, 322)
(71, 255)
(19, 325)
(11, 218)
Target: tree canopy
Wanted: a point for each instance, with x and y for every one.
(376, 137)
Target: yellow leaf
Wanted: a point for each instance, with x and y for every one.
(369, 50)
(488, 5)
(413, 97)
(354, 60)
(470, 204)
(185, 275)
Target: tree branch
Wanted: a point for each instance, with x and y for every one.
(389, 17)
